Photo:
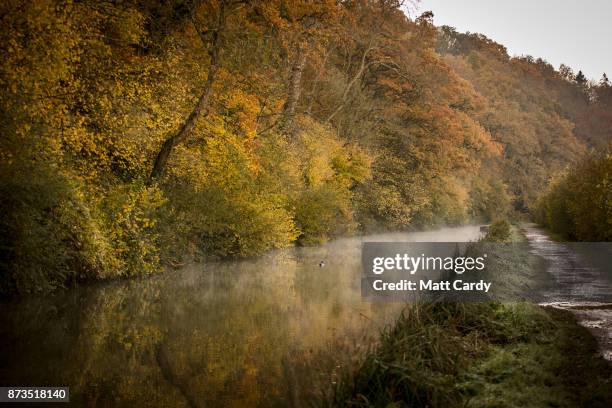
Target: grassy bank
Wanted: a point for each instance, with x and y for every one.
(486, 354)
(481, 355)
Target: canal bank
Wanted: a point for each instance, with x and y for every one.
(485, 354)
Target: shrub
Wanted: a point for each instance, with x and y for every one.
(323, 204)
(55, 231)
(489, 200)
(321, 212)
(130, 213)
(579, 205)
(499, 231)
(225, 224)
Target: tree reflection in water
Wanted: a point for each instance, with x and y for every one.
(275, 330)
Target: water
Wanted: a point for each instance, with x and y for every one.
(271, 331)
(583, 282)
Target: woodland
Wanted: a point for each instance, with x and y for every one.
(139, 134)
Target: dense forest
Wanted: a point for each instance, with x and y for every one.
(138, 134)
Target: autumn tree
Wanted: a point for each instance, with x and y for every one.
(214, 44)
(137, 134)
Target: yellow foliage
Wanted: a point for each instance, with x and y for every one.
(389, 133)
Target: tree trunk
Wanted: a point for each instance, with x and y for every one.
(362, 66)
(315, 82)
(293, 97)
(201, 107)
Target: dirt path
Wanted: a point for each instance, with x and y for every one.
(580, 288)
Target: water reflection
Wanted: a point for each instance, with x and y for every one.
(271, 331)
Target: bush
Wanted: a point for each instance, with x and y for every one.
(499, 231)
(130, 213)
(321, 212)
(579, 205)
(382, 207)
(232, 224)
(489, 200)
(323, 204)
(55, 231)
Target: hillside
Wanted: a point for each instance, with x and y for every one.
(544, 118)
(138, 134)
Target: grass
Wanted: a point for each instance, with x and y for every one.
(517, 275)
(480, 355)
(487, 354)
(559, 367)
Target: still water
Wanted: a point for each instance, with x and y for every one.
(271, 331)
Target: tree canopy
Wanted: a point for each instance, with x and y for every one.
(139, 133)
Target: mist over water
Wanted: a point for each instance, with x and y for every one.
(273, 330)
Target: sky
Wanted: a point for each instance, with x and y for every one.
(575, 32)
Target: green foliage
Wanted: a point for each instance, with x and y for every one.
(129, 214)
(579, 205)
(423, 358)
(382, 207)
(229, 202)
(552, 210)
(56, 231)
(323, 204)
(499, 231)
(38, 248)
(320, 212)
(229, 224)
(489, 200)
